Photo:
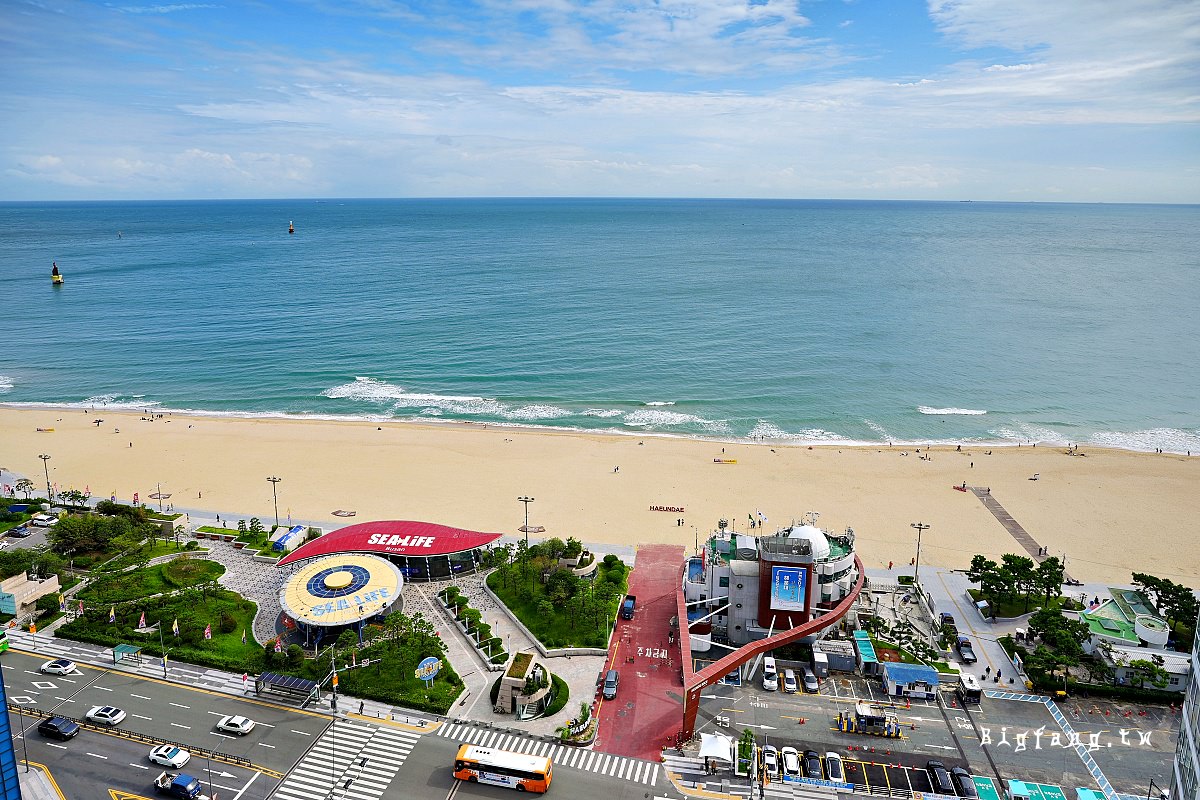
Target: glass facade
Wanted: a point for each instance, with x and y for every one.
(437, 568)
(10, 787)
(1184, 782)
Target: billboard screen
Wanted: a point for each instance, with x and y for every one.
(788, 588)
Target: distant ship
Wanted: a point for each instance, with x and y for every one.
(55, 277)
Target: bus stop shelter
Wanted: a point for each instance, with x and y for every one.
(299, 689)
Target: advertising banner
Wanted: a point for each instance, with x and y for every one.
(788, 588)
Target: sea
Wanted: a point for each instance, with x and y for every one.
(803, 322)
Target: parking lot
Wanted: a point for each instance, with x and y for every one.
(1001, 739)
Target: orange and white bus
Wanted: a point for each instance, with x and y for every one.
(503, 768)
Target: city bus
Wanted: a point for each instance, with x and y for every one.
(968, 690)
(502, 768)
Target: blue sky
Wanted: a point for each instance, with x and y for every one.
(950, 99)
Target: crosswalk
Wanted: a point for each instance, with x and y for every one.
(350, 761)
(620, 767)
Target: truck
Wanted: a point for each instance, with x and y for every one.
(178, 784)
(627, 607)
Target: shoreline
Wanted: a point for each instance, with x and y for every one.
(601, 487)
(526, 427)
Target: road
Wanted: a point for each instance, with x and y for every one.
(312, 751)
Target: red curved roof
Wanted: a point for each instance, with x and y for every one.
(392, 537)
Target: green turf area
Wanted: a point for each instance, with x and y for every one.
(173, 576)
(563, 611)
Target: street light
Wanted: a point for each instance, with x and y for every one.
(525, 527)
(46, 466)
(275, 497)
(920, 526)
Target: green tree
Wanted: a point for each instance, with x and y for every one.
(256, 526)
(1022, 570)
(1048, 578)
(554, 547)
(74, 498)
(25, 486)
(1150, 669)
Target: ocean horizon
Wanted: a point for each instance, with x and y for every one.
(795, 322)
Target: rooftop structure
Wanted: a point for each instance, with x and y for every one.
(1185, 783)
(1125, 617)
(340, 590)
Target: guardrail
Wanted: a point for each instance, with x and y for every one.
(237, 761)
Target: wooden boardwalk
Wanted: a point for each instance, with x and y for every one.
(1011, 525)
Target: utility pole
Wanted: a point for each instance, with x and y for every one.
(46, 467)
(275, 497)
(525, 527)
(921, 527)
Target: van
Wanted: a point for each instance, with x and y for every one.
(611, 679)
(789, 681)
(810, 680)
(770, 678)
(43, 520)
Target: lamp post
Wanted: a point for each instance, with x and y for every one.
(1161, 792)
(275, 497)
(525, 527)
(46, 468)
(921, 527)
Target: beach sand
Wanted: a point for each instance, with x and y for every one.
(1112, 512)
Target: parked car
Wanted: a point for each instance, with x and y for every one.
(939, 777)
(58, 728)
(791, 761)
(237, 725)
(946, 619)
(168, 755)
(789, 681)
(965, 651)
(963, 782)
(834, 768)
(812, 765)
(770, 758)
(20, 532)
(810, 680)
(770, 678)
(59, 666)
(106, 715)
(611, 679)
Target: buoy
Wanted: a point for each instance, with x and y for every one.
(291, 227)
(55, 277)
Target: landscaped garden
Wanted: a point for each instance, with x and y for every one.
(558, 607)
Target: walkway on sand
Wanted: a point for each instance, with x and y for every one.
(1011, 525)
(648, 707)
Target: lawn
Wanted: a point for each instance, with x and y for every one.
(581, 620)
(138, 584)
(1007, 607)
(908, 658)
(158, 548)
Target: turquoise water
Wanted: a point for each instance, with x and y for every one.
(805, 320)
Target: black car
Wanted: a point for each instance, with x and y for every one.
(939, 776)
(58, 728)
(963, 782)
(811, 763)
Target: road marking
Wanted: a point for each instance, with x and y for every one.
(180, 725)
(59, 746)
(139, 696)
(139, 716)
(104, 688)
(139, 766)
(178, 705)
(264, 744)
(253, 778)
(97, 755)
(302, 733)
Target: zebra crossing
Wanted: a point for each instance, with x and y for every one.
(620, 767)
(350, 761)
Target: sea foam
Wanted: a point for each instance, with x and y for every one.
(6, 383)
(970, 412)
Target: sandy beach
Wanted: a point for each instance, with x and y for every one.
(1110, 511)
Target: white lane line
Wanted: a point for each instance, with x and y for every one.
(264, 744)
(139, 716)
(180, 725)
(139, 696)
(59, 746)
(97, 755)
(139, 766)
(302, 733)
(178, 705)
(247, 786)
(105, 688)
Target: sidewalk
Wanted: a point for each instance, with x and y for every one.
(37, 783)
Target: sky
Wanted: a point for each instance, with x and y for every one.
(1011, 100)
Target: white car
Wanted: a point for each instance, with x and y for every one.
(59, 666)
(791, 762)
(834, 768)
(106, 715)
(170, 756)
(238, 725)
(771, 761)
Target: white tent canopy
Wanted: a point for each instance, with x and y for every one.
(716, 745)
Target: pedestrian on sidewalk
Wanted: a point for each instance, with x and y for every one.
(362, 704)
